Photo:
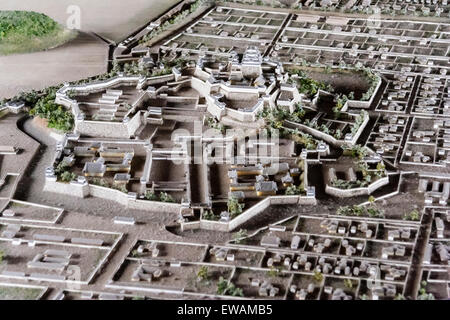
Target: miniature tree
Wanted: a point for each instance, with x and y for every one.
(239, 236)
(165, 197)
(202, 274)
(423, 294)
(135, 253)
(234, 207)
(150, 195)
(234, 291)
(294, 190)
(67, 176)
(222, 286)
(209, 215)
(273, 272)
(348, 283)
(413, 215)
(358, 210)
(318, 276)
(226, 288)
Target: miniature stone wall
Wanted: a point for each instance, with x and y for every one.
(248, 214)
(328, 138)
(83, 190)
(346, 193)
(365, 104)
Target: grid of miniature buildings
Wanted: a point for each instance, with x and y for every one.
(386, 136)
(433, 97)
(376, 238)
(172, 268)
(387, 45)
(393, 7)
(234, 29)
(398, 93)
(428, 142)
(437, 255)
(53, 254)
(255, 172)
(283, 261)
(416, 7)
(436, 192)
(131, 166)
(344, 248)
(256, 180)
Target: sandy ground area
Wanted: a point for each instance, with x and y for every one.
(83, 57)
(113, 19)
(12, 136)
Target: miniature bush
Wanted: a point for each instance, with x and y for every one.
(348, 283)
(222, 286)
(67, 176)
(121, 188)
(318, 276)
(273, 272)
(239, 236)
(229, 289)
(135, 253)
(358, 122)
(165, 197)
(413, 215)
(100, 182)
(202, 273)
(294, 190)
(338, 134)
(306, 85)
(150, 195)
(356, 151)
(340, 103)
(375, 212)
(57, 117)
(213, 123)
(360, 211)
(27, 31)
(423, 294)
(303, 139)
(234, 207)
(298, 114)
(373, 81)
(209, 215)
(344, 184)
